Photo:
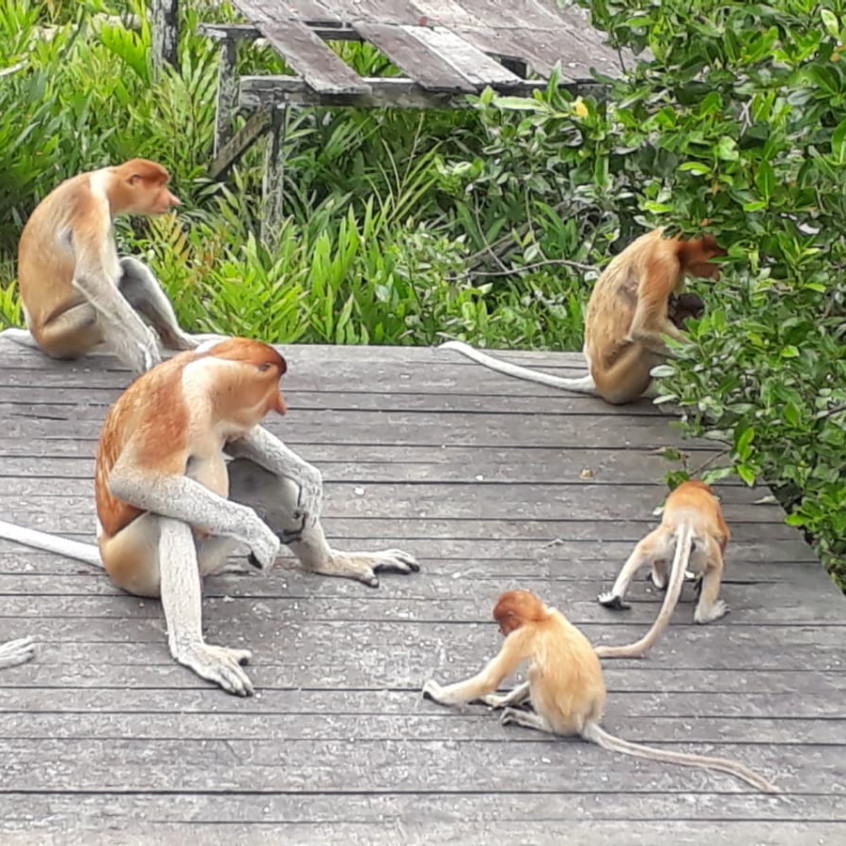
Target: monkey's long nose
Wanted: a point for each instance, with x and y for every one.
(173, 200)
(279, 404)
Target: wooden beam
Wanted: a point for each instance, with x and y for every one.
(248, 32)
(258, 91)
(164, 32)
(257, 124)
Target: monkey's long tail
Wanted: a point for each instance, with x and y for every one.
(598, 735)
(684, 546)
(86, 552)
(581, 385)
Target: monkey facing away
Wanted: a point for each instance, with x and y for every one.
(565, 684)
(693, 535)
(636, 301)
(170, 508)
(76, 292)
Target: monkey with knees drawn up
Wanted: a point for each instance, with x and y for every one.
(565, 686)
(693, 535)
(171, 508)
(636, 302)
(76, 292)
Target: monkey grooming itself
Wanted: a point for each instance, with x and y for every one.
(565, 685)
(171, 508)
(631, 310)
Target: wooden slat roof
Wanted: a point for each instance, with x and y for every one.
(443, 45)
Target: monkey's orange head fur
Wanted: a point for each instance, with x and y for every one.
(695, 256)
(140, 187)
(515, 607)
(253, 386)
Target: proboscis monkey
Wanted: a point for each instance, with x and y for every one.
(635, 303)
(565, 684)
(170, 508)
(76, 292)
(694, 535)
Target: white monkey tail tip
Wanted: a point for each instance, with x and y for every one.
(581, 385)
(86, 552)
(596, 734)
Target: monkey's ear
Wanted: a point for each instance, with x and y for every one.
(134, 178)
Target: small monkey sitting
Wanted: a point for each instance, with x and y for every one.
(565, 685)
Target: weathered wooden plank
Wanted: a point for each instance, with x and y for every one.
(455, 808)
(412, 428)
(749, 604)
(415, 831)
(271, 11)
(466, 727)
(229, 148)
(334, 650)
(385, 92)
(309, 765)
(576, 501)
(427, 68)
(471, 63)
(320, 68)
(248, 32)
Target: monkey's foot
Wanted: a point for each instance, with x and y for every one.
(363, 566)
(708, 615)
(17, 652)
(218, 664)
(433, 691)
(612, 601)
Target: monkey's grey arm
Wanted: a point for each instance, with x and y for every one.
(182, 603)
(184, 499)
(122, 328)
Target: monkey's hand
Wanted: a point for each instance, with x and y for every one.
(145, 353)
(17, 652)
(262, 540)
(217, 664)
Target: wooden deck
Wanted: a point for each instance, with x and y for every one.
(494, 484)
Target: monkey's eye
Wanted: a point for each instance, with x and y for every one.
(264, 367)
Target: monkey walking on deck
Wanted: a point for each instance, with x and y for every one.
(171, 508)
(694, 535)
(76, 292)
(636, 301)
(565, 685)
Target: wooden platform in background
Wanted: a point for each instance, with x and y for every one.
(493, 483)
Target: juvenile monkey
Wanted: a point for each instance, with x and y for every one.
(565, 684)
(170, 509)
(628, 315)
(694, 534)
(76, 293)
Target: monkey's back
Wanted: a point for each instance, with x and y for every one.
(565, 677)
(46, 252)
(150, 419)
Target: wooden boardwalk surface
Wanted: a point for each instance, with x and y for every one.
(493, 483)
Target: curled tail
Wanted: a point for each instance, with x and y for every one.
(582, 385)
(598, 735)
(684, 546)
(86, 552)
